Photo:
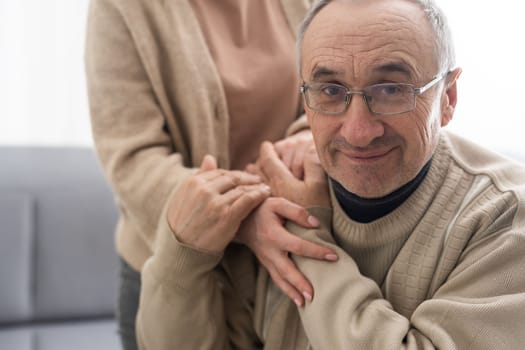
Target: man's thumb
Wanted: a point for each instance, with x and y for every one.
(312, 166)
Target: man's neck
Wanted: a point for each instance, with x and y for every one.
(369, 209)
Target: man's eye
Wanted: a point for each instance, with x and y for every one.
(333, 90)
(390, 89)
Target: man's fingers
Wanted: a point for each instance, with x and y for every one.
(313, 171)
(297, 163)
(271, 165)
(287, 156)
(252, 169)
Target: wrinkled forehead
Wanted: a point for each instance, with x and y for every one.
(360, 38)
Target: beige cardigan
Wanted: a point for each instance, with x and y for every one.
(142, 57)
(445, 270)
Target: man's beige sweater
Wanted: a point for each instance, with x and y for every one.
(445, 270)
(157, 106)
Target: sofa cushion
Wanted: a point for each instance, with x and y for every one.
(89, 335)
(16, 256)
(58, 217)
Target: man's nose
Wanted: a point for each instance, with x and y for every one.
(360, 126)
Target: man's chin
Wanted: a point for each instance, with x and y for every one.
(368, 188)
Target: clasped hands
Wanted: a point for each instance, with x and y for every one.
(215, 206)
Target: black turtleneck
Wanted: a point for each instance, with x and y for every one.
(369, 209)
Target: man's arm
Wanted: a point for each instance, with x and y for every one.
(470, 310)
(264, 232)
(480, 306)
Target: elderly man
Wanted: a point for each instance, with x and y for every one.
(429, 228)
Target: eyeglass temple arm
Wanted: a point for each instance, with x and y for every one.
(431, 83)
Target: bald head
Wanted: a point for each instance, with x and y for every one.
(440, 32)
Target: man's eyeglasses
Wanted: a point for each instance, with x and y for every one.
(382, 99)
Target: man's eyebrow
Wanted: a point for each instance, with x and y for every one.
(394, 68)
(320, 72)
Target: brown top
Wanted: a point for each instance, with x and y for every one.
(253, 48)
(158, 107)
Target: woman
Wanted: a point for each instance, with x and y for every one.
(172, 81)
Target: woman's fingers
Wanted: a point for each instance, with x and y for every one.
(228, 180)
(272, 243)
(229, 198)
(208, 163)
(287, 288)
(250, 197)
(289, 272)
(301, 247)
(283, 243)
(293, 212)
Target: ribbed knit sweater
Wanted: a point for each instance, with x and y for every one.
(444, 270)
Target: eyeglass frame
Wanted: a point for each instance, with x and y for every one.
(348, 96)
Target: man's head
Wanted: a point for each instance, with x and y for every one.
(380, 140)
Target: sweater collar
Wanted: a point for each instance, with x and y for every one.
(365, 210)
(405, 217)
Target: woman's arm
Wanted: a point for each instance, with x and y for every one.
(128, 125)
(188, 300)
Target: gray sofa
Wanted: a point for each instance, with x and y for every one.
(58, 267)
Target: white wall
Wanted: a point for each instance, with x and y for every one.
(490, 49)
(42, 84)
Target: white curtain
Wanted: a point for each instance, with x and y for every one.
(43, 95)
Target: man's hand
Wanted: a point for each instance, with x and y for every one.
(263, 231)
(208, 209)
(293, 149)
(264, 234)
(308, 192)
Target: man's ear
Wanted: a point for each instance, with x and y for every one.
(450, 97)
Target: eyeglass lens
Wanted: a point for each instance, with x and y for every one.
(380, 98)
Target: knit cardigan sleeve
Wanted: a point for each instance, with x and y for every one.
(480, 305)
(128, 125)
(193, 299)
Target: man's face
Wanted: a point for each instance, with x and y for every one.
(357, 45)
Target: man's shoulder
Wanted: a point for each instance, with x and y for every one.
(506, 173)
(497, 180)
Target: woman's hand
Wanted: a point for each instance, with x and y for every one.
(209, 207)
(264, 233)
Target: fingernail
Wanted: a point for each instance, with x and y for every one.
(331, 257)
(312, 220)
(297, 302)
(307, 296)
(266, 188)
